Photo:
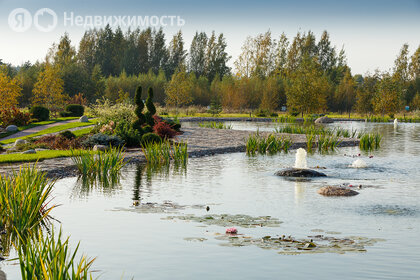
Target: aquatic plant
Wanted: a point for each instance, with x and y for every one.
(161, 153)
(101, 166)
(327, 142)
(270, 144)
(25, 201)
(231, 230)
(370, 141)
(316, 130)
(285, 119)
(216, 125)
(51, 258)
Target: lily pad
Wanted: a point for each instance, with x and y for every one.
(292, 246)
(226, 220)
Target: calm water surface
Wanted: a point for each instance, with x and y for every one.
(144, 246)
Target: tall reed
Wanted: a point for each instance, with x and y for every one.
(104, 166)
(50, 258)
(216, 125)
(162, 153)
(270, 144)
(25, 201)
(370, 141)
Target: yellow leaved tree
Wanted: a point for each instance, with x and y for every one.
(48, 89)
(9, 91)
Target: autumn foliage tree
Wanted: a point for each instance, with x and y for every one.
(307, 88)
(9, 91)
(178, 90)
(48, 90)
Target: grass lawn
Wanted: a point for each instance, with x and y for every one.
(37, 124)
(41, 155)
(53, 129)
(83, 131)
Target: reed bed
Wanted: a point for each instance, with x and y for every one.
(370, 141)
(317, 130)
(25, 201)
(50, 258)
(164, 152)
(285, 119)
(270, 144)
(215, 125)
(323, 142)
(104, 166)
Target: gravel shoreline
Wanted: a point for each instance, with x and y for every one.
(201, 142)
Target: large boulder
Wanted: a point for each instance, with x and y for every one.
(299, 172)
(31, 151)
(19, 142)
(323, 120)
(83, 119)
(336, 191)
(12, 128)
(99, 148)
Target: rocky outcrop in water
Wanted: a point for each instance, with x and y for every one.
(336, 191)
(324, 120)
(299, 172)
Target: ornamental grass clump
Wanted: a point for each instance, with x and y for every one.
(162, 153)
(103, 166)
(50, 258)
(25, 201)
(370, 141)
(215, 125)
(270, 144)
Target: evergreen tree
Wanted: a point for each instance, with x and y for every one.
(138, 124)
(151, 109)
(197, 55)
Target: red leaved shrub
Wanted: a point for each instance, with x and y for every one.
(164, 130)
(58, 142)
(14, 116)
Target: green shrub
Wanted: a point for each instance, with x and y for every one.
(150, 138)
(103, 139)
(128, 134)
(75, 110)
(147, 129)
(67, 134)
(64, 114)
(40, 113)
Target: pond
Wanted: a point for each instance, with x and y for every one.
(175, 237)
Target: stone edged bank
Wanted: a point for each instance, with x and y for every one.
(201, 142)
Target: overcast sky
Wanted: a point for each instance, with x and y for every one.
(372, 32)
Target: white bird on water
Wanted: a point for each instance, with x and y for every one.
(395, 123)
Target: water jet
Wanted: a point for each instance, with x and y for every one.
(300, 169)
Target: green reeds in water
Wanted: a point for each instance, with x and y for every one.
(270, 144)
(327, 143)
(216, 125)
(162, 153)
(25, 201)
(50, 258)
(317, 130)
(102, 167)
(370, 141)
